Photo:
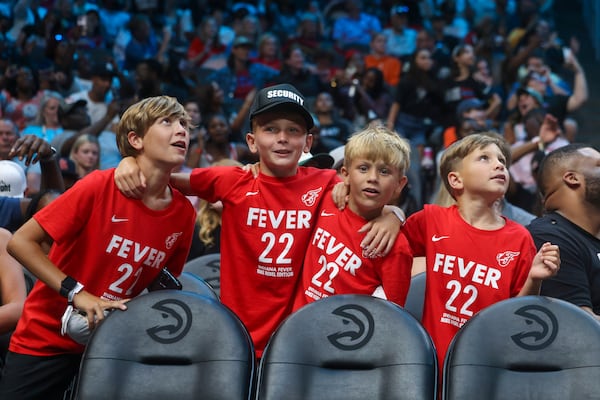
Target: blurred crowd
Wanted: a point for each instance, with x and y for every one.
(434, 71)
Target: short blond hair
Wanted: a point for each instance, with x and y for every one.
(378, 143)
(139, 117)
(458, 150)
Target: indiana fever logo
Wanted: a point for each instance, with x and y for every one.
(311, 196)
(505, 258)
(359, 326)
(542, 328)
(171, 239)
(177, 318)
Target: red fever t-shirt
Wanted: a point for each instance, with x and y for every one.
(115, 246)
(265, 230)
(467, 268)
(335, 264)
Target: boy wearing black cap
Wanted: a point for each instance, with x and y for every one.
(266, 221)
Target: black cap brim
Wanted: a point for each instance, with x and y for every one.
(288, 106)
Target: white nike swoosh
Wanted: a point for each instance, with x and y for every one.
(251, 193)
(115, 219)
(435, 238)
(326, 214)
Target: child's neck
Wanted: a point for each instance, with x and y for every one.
(481, 215)
(157, 195)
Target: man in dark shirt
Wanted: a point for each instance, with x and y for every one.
(569, 181)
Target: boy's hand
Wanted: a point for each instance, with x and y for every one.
(340, 195)
(254, 168)
(31, 148)
(129, 178)
(94, 306)
(381, 235)
(546, 262)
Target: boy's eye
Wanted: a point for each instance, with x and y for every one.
(385, 171)
(363, 168)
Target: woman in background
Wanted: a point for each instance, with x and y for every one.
(85, 153)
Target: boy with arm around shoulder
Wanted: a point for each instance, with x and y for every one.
(475, 257)
(100, 257)
(375, 161)
(267, 220)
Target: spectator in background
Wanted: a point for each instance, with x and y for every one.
(218, 144)
(114, 18)
(46, 124)
(333, 130)
(527, 153)
(310, 37)
(381, 59)
(144, 42)
(354, 30)
(373, 98)
(197, 134)
(205, 43)
(462, 85)
(269, 53)
(85, 153)
(88, 34)
(20, 98)
(569, 184)
(241, 76)
(401, 39)
(98, 96)
(297, 72)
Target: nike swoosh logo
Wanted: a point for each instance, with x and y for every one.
(251, 193)
(326, 214)
(435, 238)
(115, 219)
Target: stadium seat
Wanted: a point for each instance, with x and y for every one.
(169, 344)
(416, 296)
(348, 347)
(207, 267)
(193, 283)
(526, 348)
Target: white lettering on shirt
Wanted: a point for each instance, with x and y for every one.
(346, 258)
(135, 252)
(284, 219)
(478, 273)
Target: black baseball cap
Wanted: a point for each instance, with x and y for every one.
(283, 96)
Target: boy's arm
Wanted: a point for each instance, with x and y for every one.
(26, 247)
(382, 231)
(12, 287)
(181, 182)
(129, 178)
(545, 265)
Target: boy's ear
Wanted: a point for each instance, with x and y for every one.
(309, 142)
(455, 180)
(401, 184)
(251, 142)
(134, 140)
(345, 175)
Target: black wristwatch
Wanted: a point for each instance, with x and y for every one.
(66, 286)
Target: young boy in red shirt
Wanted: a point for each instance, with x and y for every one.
(100, 258)
(375, 160)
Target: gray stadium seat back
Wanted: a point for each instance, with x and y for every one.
(207, 267)
(532, 347)
(348, 347)
(416, 296)
(169, 344)
(193, 283)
